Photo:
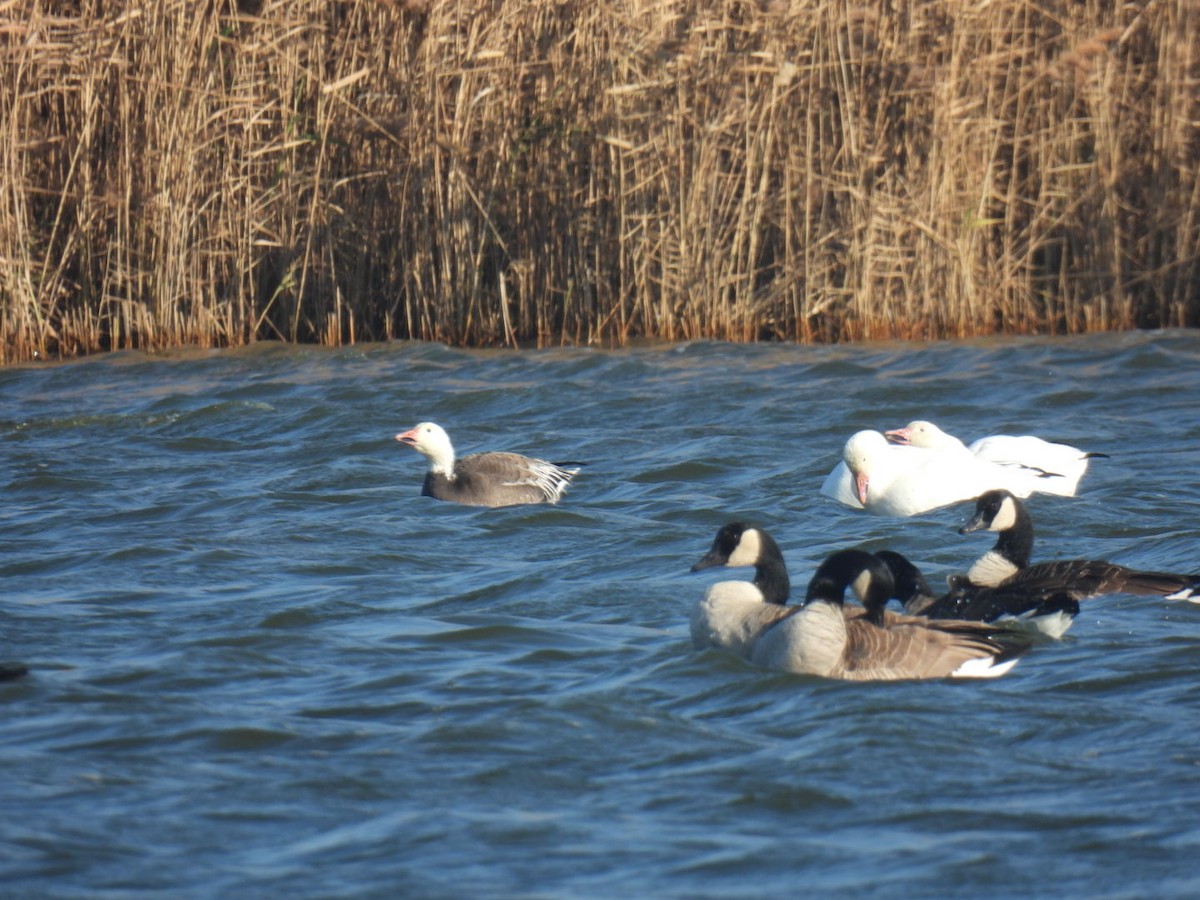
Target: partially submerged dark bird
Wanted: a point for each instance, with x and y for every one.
(10, 671)
(1004, 584)
(823, 636)
(485, 479)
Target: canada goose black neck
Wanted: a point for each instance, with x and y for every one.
(742, 544)
(1000, 511)
(871, 579)
(909, 585)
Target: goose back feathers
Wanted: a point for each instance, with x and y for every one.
(485, 479)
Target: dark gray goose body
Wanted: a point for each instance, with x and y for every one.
(485, 479)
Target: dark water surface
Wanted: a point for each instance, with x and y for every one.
(263, 665)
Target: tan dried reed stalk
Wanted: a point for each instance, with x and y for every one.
(488, 172)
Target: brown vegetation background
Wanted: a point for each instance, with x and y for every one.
(546, 171)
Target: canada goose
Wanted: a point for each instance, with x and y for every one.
(894, 480)
(1056, 467)
(824, 637)
(1050, 611)
(485, 479)
(1004, 578)
(733, 614)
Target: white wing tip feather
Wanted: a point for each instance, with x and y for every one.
(548, 478)
(1188, 593)
(983, 667)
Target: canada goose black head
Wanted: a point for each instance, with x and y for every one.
(910, 586)
(744, 544)
(859, 570)
(1000, 511)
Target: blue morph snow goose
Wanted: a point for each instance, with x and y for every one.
(485, 479)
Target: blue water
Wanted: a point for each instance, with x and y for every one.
(263, 665)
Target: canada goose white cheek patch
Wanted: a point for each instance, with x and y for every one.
(861, 584)
(748, 550)
(1006, 516)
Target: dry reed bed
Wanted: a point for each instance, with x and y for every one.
(593, 170)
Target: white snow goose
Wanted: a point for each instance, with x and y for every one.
(826, 638)
(485, 479)
(897, 480)
(1052, 468)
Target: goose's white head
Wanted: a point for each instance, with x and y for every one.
(431, 441)
(865, 454)
(920, 433)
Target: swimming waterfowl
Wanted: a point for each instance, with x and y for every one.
(1049, 612)
(485, 479)
(1055, 467)
(824, 637)
(1003, 584)
(895, 480)
(1007, 563)
(734, 614)
(10, 671)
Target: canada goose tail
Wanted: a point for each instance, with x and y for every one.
(1189, 592)
(1172, 587)
(1006, 646)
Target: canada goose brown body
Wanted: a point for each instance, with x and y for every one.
(826, 638)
